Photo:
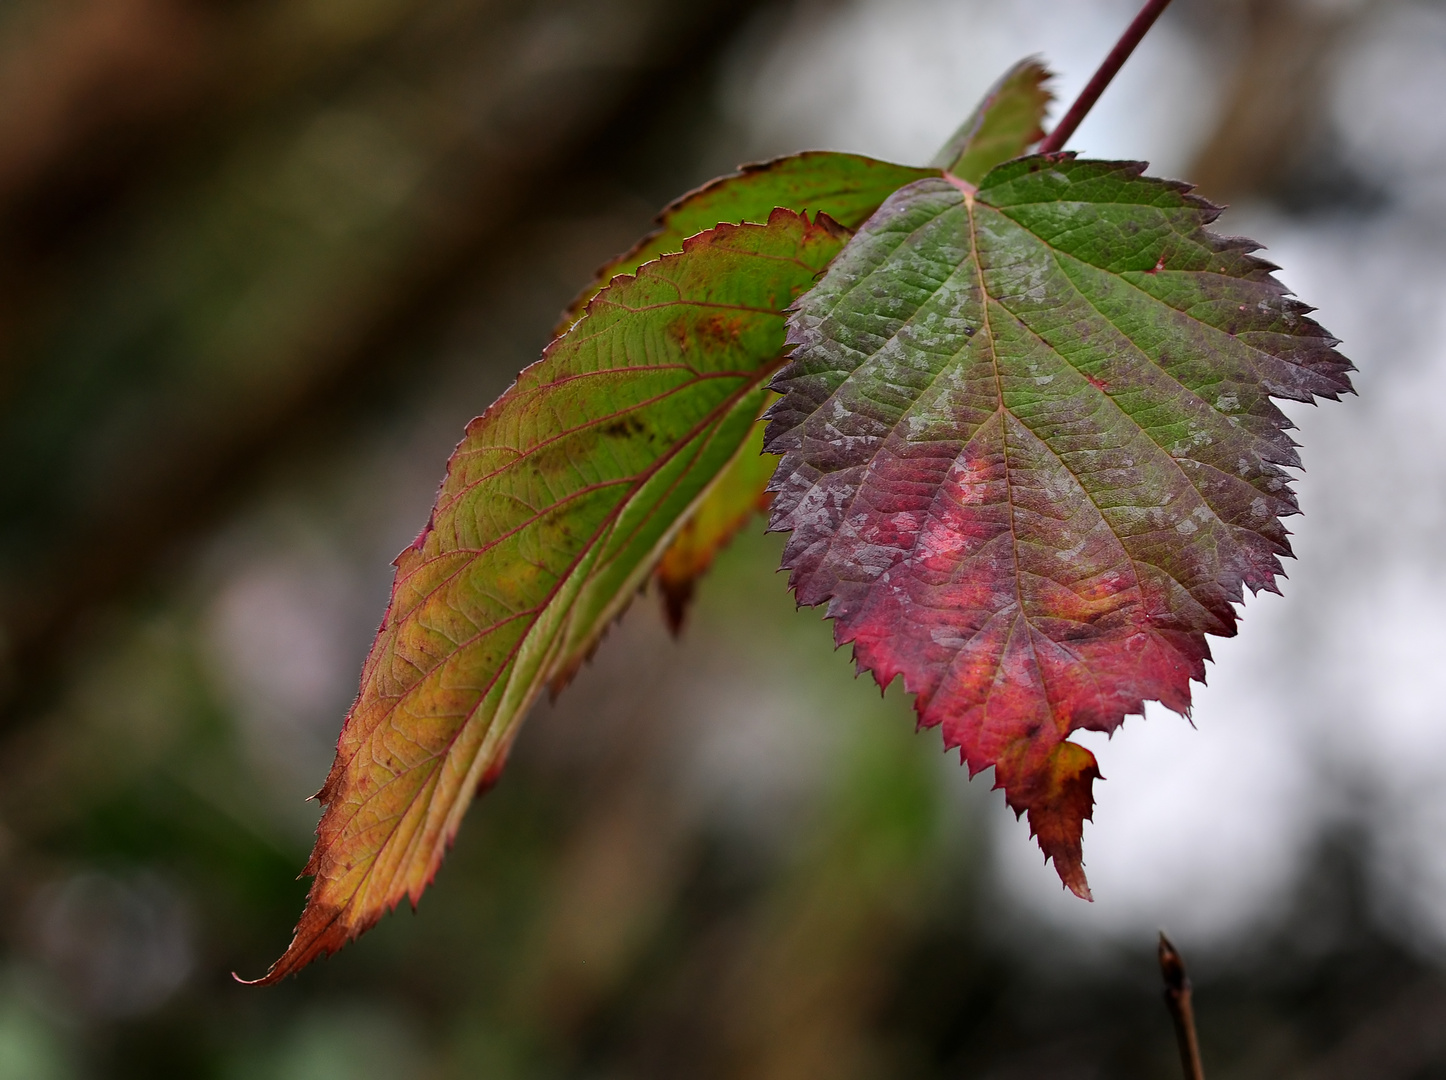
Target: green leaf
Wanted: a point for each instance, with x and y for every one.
(555, 508)
(1003, 126)
(1031, 457)
(846, 187)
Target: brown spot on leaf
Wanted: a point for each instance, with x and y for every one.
(624, 427)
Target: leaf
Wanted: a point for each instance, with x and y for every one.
(1003, 125)
(555, 508)
(1031, 458)
(846, 187)
(740, 491)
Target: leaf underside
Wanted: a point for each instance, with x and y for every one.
(1031, 458)
(555, 508)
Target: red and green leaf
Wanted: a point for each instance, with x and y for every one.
(556, 507)
(1031, 457)
(1030, 461)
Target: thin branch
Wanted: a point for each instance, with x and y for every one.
(1177, 1000)
(1056, 139)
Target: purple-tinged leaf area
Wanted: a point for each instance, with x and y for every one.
(556, 507)
(1031, 458)
(846, 187)
(1004, 125)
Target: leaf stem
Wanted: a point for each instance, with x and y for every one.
(1055, 140)
(1177, 1000)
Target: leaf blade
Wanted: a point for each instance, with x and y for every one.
(1031, 460)
(555, 508)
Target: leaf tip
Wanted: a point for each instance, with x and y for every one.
(1058, 796)
(1081, 889)
(320, 933)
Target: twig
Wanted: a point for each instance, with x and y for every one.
(1177, 1000)
(1055, 140)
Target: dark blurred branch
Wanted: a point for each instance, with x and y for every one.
(88, 77)
(1177, 1000)
(102, 97)
(505, 118)
(1134, 33)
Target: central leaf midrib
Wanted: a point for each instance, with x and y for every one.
(837, 302)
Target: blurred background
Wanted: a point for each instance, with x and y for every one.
(261, 261)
